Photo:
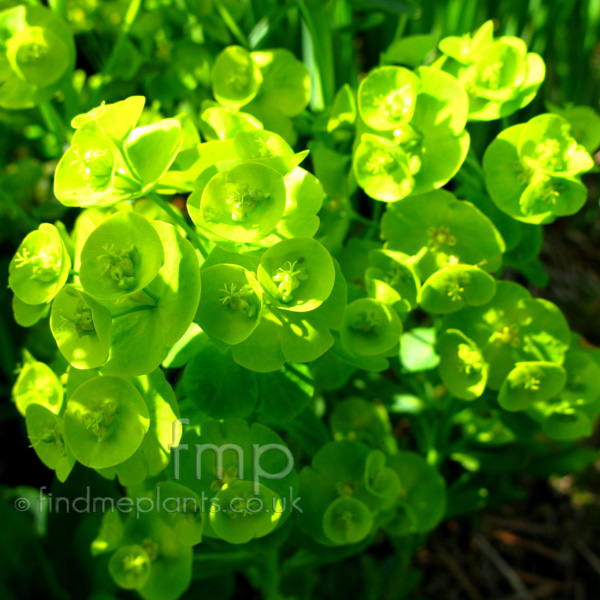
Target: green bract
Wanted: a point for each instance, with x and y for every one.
(420, 149)
(370, 327)
(40, 267)
(532, 170)
(244, 505)
(448, 231)
(37, 384)
(105, 422)
(81, 327)
(262, 369)
(45, 432)
(245, 203)
(462, 366)
(297, 274)
(387, 97)
(236, 78)
(231, 303)
(37, 55)
(531, 382)
(499, 75)
(121, 257)
(513, 328)
(110, 161)
(391, 278)
(455, 286)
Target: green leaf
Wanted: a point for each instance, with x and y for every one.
(417, 350)
(284, 394)
(218, 386)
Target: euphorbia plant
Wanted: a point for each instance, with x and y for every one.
(222, 287)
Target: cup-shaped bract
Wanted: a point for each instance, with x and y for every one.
(105, 421)
(465, 48)
(370, 327)
(236, 78)
(455, 286)
(391, 278)
(499, 75)
(117, 119)
(422, 500)
(277, 340)
(37, 55)
(181, 510)
(497, 71)
(120, 257)
(86, 173)
(380, 481)
(130, 567)
(45, 432)
(81, 327)
(40, 267)
(462, 367)
(245, 511)
(521, 187)
(27, 315)
(37, 383)
(361, 420)
(285, 82)
(230, 304)
(513, 328)
(246, 471)
(583, 378)
(531, 382)
(546, 144)
(447, 231)
(382, 169)
(244, 203)
(151, 149)
(347, 521)
(297, 274)
(566, 422)
(344, 491)
(166, 572)
(387, 97)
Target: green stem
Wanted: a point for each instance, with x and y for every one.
(151, 295)
(377, 210)
(130, 16)
(232, 25)
(54, 121)
(358, 217)
(178, 219)
(74, 272)
(271, 580)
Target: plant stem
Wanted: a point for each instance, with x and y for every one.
(178, 219)
(374, 226)
(271, 576)
(130, 16)
(54, 121)
(232, 25)
(151, 295)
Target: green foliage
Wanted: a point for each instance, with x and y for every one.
(315, 358)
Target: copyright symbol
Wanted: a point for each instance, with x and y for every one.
(22, 504)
